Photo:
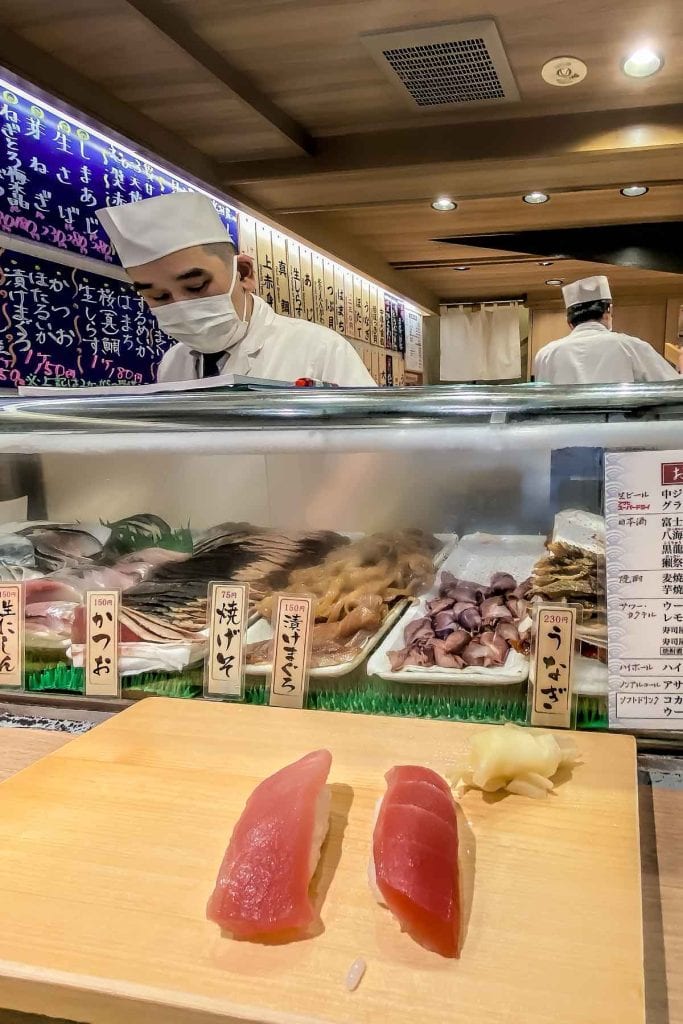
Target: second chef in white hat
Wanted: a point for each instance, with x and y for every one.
(182, 262)
(593, 353)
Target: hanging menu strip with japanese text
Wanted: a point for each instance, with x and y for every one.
(644, 530)
(54, 174)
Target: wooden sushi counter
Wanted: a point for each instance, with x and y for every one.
(661, 830)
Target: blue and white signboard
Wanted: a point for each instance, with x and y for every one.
(55, 172)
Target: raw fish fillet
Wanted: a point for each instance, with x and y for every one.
(262, 884)
(414, 867)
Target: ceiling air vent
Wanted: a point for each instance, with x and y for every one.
(446, 65)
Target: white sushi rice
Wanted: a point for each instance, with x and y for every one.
(320, 826)
(372, 872)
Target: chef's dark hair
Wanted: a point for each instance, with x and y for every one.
(584, 312)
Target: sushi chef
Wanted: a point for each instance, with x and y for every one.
(181, 260)
(593, 353)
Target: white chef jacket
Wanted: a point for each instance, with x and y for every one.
(277, 348)
(592, 354)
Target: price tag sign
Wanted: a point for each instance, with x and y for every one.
(551, 665)
(228, 614)
(11, 636)
(101, 661)
(292, 634)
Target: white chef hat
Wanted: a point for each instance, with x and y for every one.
(588, 289)
(151, 228)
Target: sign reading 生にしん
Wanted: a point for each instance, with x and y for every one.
(644, 531)
(55, 173)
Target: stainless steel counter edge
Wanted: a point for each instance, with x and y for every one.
(180, 410)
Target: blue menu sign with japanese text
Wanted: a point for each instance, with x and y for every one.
(54, 174)
(69, 328)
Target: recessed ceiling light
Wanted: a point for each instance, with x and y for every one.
(632, 191)
(443, 204)
(642, 63)
(536, 197)
(545, 263)
(555, 281)
(461, 268)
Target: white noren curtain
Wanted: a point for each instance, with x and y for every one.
(482, 344)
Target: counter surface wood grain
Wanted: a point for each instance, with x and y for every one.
(110, 845)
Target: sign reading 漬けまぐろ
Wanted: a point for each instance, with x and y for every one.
(55, 173)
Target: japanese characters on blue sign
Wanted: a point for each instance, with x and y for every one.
(54, 174)
(65, 327)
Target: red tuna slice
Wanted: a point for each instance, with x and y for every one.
(415, 854)
(423, 795)
(262, 884)
(417, 773)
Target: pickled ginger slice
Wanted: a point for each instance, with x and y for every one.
(523, 761)
(414, 866)
(262, 885)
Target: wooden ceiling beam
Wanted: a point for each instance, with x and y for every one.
(609, 185)
(532, 137)
(473, 262)
(181, 33)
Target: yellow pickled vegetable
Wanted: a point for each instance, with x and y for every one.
(522, 761)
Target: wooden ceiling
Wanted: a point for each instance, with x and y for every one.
(279, 104)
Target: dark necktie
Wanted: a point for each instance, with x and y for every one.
(210, 361)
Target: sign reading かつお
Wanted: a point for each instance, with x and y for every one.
(101, 661)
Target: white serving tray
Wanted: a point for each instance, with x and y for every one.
(262, 629)
(476, 557)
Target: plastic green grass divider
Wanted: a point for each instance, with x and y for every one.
(61, 678)
(363, 696)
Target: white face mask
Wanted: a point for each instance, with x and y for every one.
(208, 324)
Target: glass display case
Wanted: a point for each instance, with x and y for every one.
(427, 523)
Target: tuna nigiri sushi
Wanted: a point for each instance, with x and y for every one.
(262, 884)
(414, 864)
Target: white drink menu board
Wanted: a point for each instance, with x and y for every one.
(644, 532)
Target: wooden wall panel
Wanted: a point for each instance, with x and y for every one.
(646, 320)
